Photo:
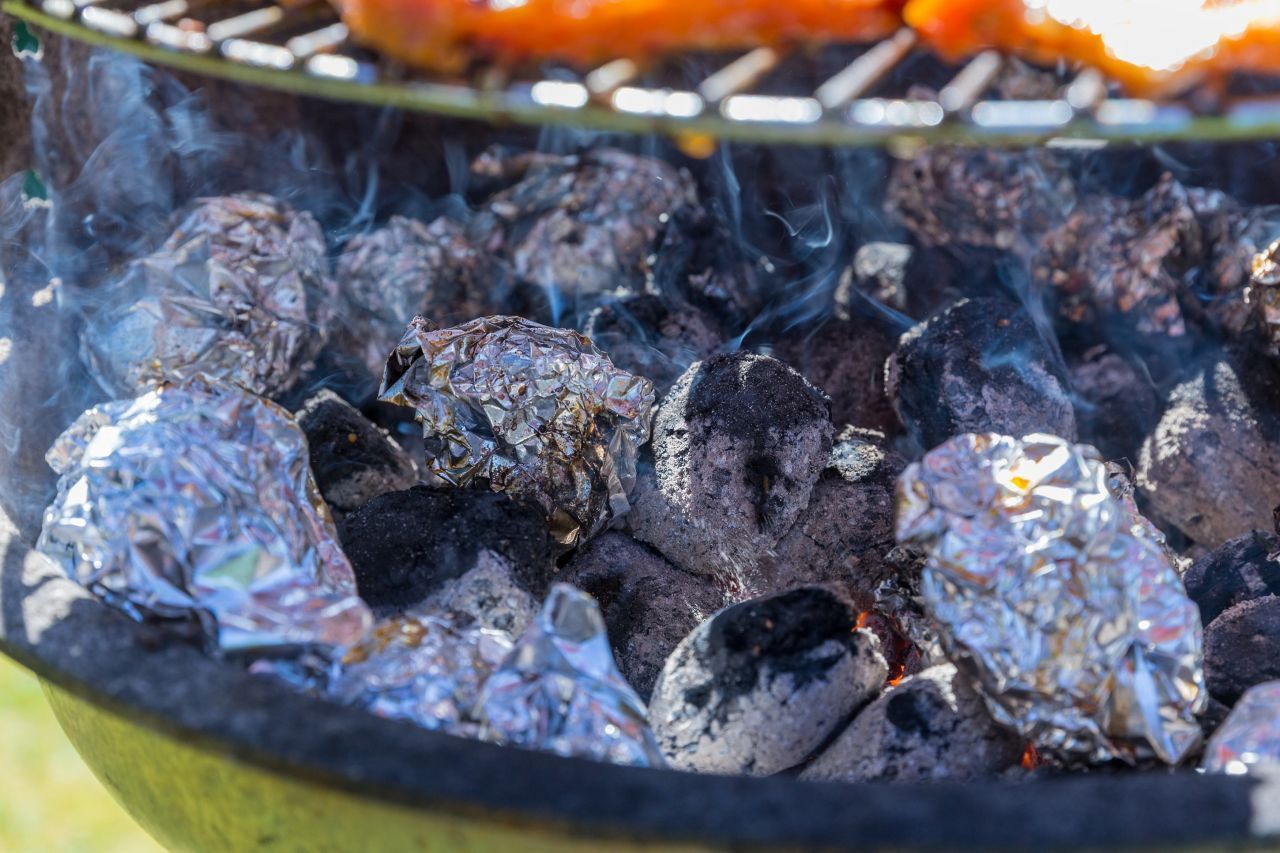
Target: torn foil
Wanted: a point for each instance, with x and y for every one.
(1056, 596)
(560, 690)
(197, 501)
(238, 292)
(541, 413)
(1249, 738)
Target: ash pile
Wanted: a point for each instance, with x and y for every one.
(967, 476)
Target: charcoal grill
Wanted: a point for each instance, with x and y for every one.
(207, 757)
(765, 95)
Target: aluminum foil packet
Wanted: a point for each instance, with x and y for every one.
(239, 291)
(409, 267)
(560, 690)
(541, 413)
(1263, 295)
(196, 501)
(1248, 741)
(424, 668)
(1057, 598)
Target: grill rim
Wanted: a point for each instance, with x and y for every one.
(950, 119)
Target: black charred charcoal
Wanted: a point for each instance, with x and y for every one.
(1242, 648)
(1116, 403)
(352, 459)
(583, 224)
(979, 366)
(1211, 466)
(980, 197)
(649, 605)
(760, 685)
(644, 335)
(843, 537)
(845, 358)
(406, 545)
(738, 444)
(1240, 570)
(929, 728)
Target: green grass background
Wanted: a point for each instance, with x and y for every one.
(49, 801)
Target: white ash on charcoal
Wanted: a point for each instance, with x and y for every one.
(647, 335)
(648, 605)
(407, 267)
(1239, 570)
(759, 686)
(407, 545)
(738, 444)
(583, 224)
(1211, 467)
(979, 366)
(845, 358)
(560, 691)
(1155, 265)
(1116, 404)
(489, 595)
(879, 272)
(1263, 298)
(930, 727)
(240, 291)
(540, 413)
(843, 536)
(980, 197)
(1242, 648)
(352, 459)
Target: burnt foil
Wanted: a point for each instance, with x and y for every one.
(541, 413)
(1248, 741)
(1263, 295)
(1056, 596)
(560, 690)
(238, 292)
(196, 501)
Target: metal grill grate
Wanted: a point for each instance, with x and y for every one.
(304, 48)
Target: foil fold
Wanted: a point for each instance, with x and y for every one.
(196, 502)
(540, 413)
(560, 690)
(1248, 741)
(1056, 596)
(238, 292)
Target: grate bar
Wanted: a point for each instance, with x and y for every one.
(299, 47)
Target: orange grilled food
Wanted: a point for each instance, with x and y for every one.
(1151, 47)
(445, 35)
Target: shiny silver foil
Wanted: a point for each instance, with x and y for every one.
(409, 267)
(1056, 597)
(560, 690)
(196, 501)
(239, 291)
(1263, 295)
(424, 668)
(1249, 738)
(540, 412)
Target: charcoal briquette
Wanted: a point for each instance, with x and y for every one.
(1242, 648)
(1238, 570)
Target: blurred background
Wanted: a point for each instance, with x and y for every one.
(49, 801)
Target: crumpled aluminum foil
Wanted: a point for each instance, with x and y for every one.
(197, 501)
(1056, 597)
(409, 267)
(540, 412)
(424, 668)
(1249, 738)
(560, 690)
(239, 291)
(1263, 294)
